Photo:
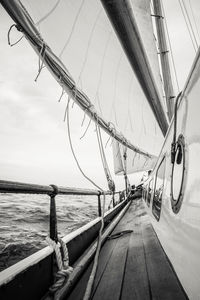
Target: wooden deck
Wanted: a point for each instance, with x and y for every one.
(133, 266)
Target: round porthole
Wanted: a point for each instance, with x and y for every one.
(178, 174)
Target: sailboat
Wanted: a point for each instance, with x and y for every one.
(142, 248)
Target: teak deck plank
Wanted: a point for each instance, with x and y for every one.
(112, 280)
(162, 278)
(104, 257)
(136, 283)
(106, 251)
(133, 266)
(110, 285)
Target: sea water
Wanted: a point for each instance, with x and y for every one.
(24, 222)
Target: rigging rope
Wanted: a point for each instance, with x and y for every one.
(62, 94)
(125, 168)
(72, 30)
(194, 19)
(102, 66)
(119, 234)
(173, 144)
(84, 115)
(170, 46)
(88, 45)
(111, 184)
(90, 283)
(192, 30)
(41, 60)
(94, 268)
(48, 14)
(64, 270)
(188, 24)
(86, 129)
(115, 86)
(17, 27)
(72, 148)
(108, 141)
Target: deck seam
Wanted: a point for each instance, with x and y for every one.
(122, 283)
(94, 291)
(145, 258)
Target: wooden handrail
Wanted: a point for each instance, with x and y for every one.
(28, 188)
(52, 191)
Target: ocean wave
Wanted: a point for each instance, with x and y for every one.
(13, 252)
(24, 222)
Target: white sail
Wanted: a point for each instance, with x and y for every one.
(85, 42)
(134, 161)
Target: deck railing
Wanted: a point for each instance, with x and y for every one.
(52, 191)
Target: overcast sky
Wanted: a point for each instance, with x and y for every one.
(34, 145)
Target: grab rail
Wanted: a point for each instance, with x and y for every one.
(28, 188)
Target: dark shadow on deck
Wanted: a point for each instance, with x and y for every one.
(133, 266)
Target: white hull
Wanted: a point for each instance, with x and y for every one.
(179, 233)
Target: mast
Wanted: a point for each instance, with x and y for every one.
(164, 59)
(123, 21)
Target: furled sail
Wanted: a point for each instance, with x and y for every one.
(77, 43)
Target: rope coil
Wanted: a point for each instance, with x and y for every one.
(64, 270)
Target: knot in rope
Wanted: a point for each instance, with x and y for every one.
(64, 270)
